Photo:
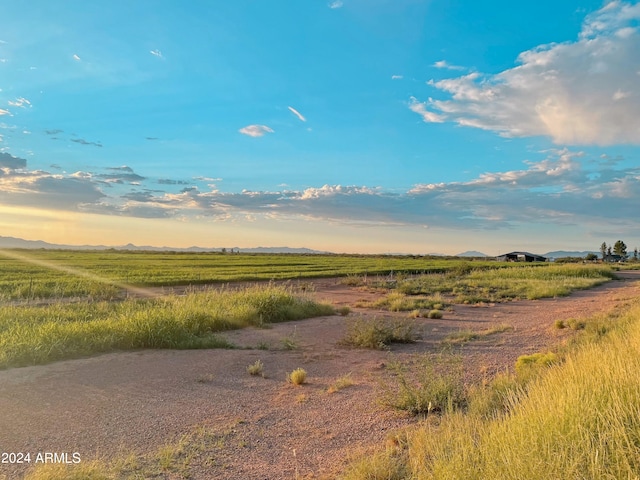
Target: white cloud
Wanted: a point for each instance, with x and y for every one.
(427, 115)
(19, 102)
(297, 114)
(336, 4)
(4, 112)
(76, 57)
(619, 95)
(567, 91)
(156, 53)
(445, 65)
(255, 130)
(397, 77)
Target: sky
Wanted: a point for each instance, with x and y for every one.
(364, 126)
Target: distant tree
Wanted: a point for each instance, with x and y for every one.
(591, 257)
(635, 254)
(609, 250)
(224, 250)
(620, 248)
(603, 249)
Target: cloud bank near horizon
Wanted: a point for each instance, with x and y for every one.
(565, 189)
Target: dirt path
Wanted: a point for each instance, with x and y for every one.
(254, 427)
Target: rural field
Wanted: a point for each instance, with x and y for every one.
(171, 365)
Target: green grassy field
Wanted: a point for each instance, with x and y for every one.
(32, 274)
(39, 334)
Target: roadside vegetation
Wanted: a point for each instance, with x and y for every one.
(32, 335)
(466, 285)
(570, 414)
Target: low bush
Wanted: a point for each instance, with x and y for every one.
(256, 368)
(428, 385)
(297, 377)
(379, 333)
(340, 383)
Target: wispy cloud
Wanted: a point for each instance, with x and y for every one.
(82, 141)
(255, 130)
(76, 57)
(427, 115)
(19, 102)
(156, 53)
(4, 112)
(570, 92)
(297, 114)
(397, 77)
(336, 4)
(445, 65)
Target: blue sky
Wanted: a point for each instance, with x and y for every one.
(351, 126)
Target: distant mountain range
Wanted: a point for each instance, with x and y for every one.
(564, 253)
(471, 253)
(13, 242)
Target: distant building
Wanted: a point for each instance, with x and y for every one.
(521, 257)
(612, 258)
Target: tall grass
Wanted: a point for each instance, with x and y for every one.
(33, 335)
(579, 419)
(465, 285)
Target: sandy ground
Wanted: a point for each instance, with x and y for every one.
(254, 427)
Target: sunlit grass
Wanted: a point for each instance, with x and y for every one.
(33, 335)
(37, 274)
(496, 283)
(579, 418)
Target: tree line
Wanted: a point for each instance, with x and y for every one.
(618, 249)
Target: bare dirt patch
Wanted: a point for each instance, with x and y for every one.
(261, 428)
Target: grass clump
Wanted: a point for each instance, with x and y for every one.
(467, 335)
(340, 384)
(256, 368)
(297, 377)
(425, 386)
(379, 333)
(529, 365)
(435, 314)
(399, 302)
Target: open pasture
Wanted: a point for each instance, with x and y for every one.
(36, 274)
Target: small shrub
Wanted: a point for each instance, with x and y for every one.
(297, 377)
(434, 314)
(290, 342)
(414, 314)
(340, 383)
(559, 324)
(379, 333)
(426, 386)
(256, 368)
(343, 311)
